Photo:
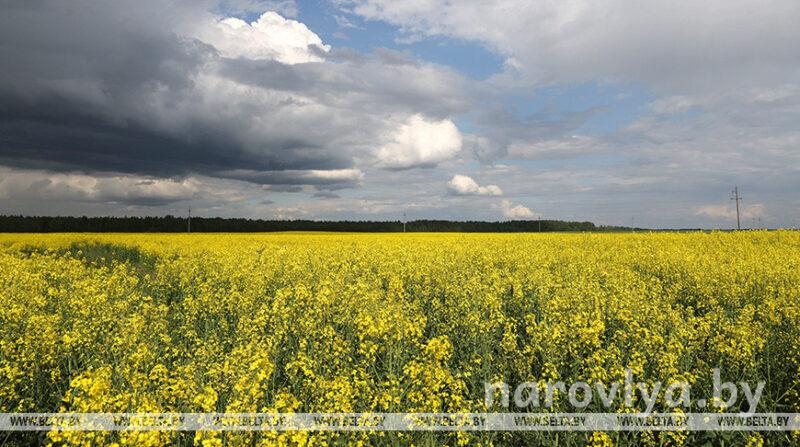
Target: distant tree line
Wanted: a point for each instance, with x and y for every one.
(172, 224)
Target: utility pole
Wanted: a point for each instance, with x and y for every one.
(189, 223)
(738, 199)
(404, 221)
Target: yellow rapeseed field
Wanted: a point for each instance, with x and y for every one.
(388, 323)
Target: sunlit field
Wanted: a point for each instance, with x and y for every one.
(389, 323)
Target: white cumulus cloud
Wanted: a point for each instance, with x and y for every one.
(462, 185)
(512, 211)
(420, 142)
(270, 37)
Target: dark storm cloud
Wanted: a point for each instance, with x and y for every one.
(75, 91)
(65, 143)
(125, 87)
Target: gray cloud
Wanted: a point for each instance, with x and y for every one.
(124, 190)
(287, 8)
(672, 46)
(330, 179)
(502, 128)
(326, 195)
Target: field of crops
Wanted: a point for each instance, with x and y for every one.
(388, 323)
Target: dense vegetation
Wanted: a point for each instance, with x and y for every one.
(171, 224)
(390, 323)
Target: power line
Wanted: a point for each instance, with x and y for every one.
(738, 199)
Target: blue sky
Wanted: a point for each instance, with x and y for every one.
(348, 30)
(368, 109)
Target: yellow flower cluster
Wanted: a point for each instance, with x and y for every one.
(320, 322)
